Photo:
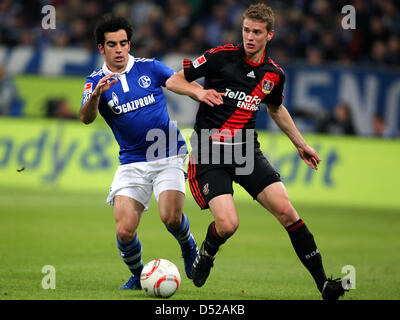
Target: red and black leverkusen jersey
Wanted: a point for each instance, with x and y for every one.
(246, 84)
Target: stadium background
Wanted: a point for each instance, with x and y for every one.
(55, 172)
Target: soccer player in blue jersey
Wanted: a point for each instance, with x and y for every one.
(127, 92)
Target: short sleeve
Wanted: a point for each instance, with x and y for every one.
(275, 97)
(162, 72)
(201, 66)
(88, 88)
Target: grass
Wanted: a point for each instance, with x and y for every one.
(75, 233)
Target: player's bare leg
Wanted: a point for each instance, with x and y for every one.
(170, 205)
(225, 215)
(226, 222)
(276, 200)
(127, 213)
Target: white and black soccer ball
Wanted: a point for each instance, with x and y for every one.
(160, 278)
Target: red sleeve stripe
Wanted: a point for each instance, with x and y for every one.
(215, 51)
(275, 64)
(227, 47)
(186, 63)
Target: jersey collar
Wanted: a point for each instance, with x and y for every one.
(263, 60)
(129, 66)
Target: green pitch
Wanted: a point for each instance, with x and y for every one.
(76, 234)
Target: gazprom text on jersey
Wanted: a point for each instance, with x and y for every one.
(133, 105)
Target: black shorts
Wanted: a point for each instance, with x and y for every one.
(207, 181)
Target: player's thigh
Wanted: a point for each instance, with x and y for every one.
(127, 214)
(275, 199)
(225, 214)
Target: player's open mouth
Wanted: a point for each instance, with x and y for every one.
(119, 59)
(250, 45)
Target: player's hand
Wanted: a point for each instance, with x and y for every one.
(211, 97)
(310, 156)
(104, 84)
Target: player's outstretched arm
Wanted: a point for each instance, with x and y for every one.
(89, 110)
(178, 84)
(284, 121)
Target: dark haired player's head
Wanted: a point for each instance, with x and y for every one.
(113, 36)
(111, 23)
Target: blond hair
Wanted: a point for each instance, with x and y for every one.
(261, 13)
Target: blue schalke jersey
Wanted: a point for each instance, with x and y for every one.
(136, 111)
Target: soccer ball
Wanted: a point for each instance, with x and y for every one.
(160, 278)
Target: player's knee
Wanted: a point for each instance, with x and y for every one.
(227, 228)
(173, 219)
(287, 214)
(125, 234)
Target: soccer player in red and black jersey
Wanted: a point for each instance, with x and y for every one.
(238, 78)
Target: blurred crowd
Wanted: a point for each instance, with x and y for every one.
(308, 30)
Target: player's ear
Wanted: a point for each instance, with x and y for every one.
(101, 48)
(270, 35)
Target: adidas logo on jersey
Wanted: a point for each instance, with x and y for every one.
(251, 74)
